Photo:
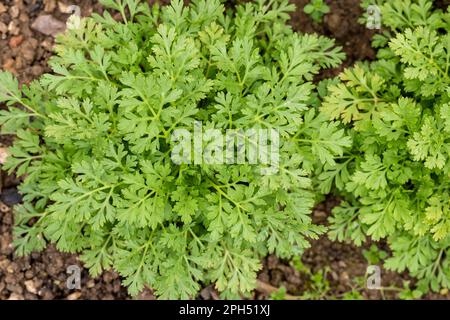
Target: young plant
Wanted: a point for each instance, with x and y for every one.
(95, 141)
(316, 9)
(396, 178)
(316, 287)
(374, 255)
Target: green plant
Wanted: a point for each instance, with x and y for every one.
(408, 293)
(280, 294)
(94, 143)
(318, 286)
(374, 255)
(396, 178)
(316, 9)
(352, 295)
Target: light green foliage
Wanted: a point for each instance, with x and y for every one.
(95, 145)
(398, 15)
(316, 9)
(397, 108)
(352, 295)
(280, 294)
(374, 255)
(408, 293)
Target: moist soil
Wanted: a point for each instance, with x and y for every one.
(25, 52)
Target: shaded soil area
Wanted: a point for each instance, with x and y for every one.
(25, 51)
(342, 266)
(44, 275)
(341, 24)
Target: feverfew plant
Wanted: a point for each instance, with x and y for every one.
(94, 143)
(396, 178)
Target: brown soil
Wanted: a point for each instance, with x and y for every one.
(43, 275)
(346, 263)
(442, 4)
(25, 52)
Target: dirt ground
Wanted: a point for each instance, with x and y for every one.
(25, 51)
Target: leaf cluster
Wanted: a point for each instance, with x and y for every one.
(316, 9)
(94, 143)
(396, 179)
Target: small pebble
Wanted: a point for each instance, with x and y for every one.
(50, 5)
(13, 28)
(74, 296)
(14, 42)
(37, 70)
(10, 196)
(48, 25)
(31, 286)
(14, 12)
(15, 296)
(90, 284)
(3, 28)
(2, 8)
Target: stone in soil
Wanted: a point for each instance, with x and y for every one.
(3, 155)
(10, 196)
(48, 25)
(2, 8)
(3, 30)
(15, 41)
